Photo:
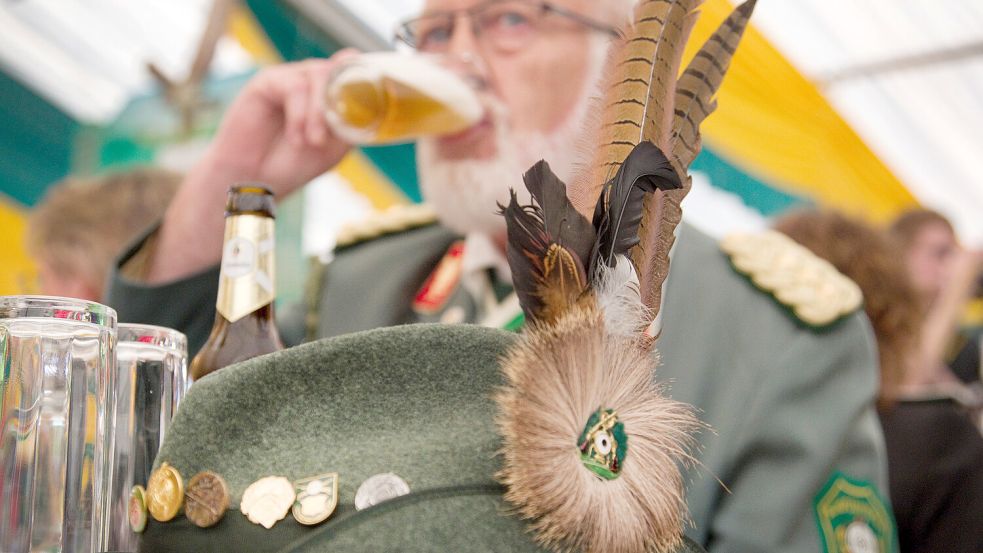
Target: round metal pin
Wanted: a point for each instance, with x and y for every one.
(206, 498)
(379, 488)
(165, 493)
(136, 510)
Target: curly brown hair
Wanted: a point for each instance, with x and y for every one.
(875, 262)
(909, 224)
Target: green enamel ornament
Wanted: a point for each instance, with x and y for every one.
(603, 444)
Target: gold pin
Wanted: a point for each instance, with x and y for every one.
(137, 509)
(165, 493)
(206, 499)
(267, 500)
(317, 498)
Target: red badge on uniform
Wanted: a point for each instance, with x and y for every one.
(441, 283)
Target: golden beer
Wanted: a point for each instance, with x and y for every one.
(388, 98)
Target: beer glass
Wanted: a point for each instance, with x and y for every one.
(151, 378)
(57, 358)
(390, 97)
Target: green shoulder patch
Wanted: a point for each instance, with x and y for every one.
(809, 287)
(396, 219)
(853, 518)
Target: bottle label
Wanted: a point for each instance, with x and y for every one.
(248, 265)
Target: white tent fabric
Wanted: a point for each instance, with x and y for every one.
(908, 77)
(906, 74)
(89, 58)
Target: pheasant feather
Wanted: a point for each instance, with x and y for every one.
(637, 106)
(693, 101)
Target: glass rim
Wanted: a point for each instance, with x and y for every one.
(57, 308)
(151, 335)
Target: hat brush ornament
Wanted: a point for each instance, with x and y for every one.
(592, 447)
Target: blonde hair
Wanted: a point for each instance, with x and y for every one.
(82, 223)
(871, 259)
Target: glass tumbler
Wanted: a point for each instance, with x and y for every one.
(393, 97)
(151, 378)
(57, 357)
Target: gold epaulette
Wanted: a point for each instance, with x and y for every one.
(810, 287)
(397, 218)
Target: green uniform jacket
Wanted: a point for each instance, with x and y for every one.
(790, 407)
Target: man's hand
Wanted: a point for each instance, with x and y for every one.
(274, 133)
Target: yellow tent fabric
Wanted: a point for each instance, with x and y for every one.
(19, 275)
(775, 124)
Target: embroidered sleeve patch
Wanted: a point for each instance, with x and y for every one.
(853, 518)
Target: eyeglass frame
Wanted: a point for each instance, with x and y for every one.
(403, 35)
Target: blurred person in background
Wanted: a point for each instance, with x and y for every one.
(82, 224)
(945, 275)
(935, 452)
(782, 436)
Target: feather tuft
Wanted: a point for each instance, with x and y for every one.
(556, 377)
(592, 446)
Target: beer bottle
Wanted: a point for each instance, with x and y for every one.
(244, 325)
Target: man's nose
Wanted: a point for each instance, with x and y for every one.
(471, 67)
(464, 42)
(464, 54)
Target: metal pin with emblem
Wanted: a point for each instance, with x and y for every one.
(165, 493)
(379, 488)
(317, 498)
(206, 499)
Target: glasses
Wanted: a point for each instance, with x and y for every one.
(506, 25)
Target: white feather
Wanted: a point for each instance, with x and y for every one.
(619, 299)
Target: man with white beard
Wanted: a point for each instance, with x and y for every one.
(795, 442)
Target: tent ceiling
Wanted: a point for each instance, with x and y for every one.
(89, 58)
(906, 74)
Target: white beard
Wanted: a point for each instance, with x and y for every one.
(466, 193)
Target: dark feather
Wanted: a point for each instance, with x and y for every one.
(526, 247)
(548, 277)
(564, 224)
(619, 209)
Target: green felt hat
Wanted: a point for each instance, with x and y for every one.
(414, 400)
